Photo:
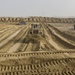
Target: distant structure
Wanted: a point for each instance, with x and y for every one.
(36, 29)
(22, 23)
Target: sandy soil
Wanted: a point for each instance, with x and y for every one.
(18, 40)
(66, 28)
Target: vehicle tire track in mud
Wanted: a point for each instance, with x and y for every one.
(5, 45)
(58, 40)
(47, 67)
(16, 46)
(64, 41)
(50, 38)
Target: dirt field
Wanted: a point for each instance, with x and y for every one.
(52, 53)
(65, 27)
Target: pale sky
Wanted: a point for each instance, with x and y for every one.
(49, 8)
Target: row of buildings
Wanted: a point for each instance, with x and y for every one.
(37, 19)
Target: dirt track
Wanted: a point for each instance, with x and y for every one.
(51, 40)
(44, 52)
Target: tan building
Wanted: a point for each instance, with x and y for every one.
(36, 29)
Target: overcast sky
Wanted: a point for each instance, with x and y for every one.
(49, 8)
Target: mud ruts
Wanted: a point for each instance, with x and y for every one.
(26, 54)
(39, 69)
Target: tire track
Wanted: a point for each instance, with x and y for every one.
(37, 53)
(5, 32)
(16, 47)
(7, 43)
(49, 37)
(8, 34)
(59, 40)
(51, 67)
